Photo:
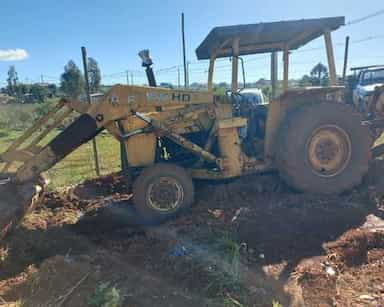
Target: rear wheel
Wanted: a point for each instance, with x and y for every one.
(161, 192)
(323, 148)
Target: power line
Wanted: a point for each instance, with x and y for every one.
(364, 39)
(358, 20)
(368, 39)
(200, 70)
(168, 69)
(174, 68)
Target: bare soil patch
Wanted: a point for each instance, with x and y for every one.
(247, 242)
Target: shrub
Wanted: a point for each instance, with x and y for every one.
(105, 296)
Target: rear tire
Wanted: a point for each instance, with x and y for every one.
(323, 148)
(161, 192)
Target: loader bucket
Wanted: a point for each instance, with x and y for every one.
(16, 200)
(21, 187)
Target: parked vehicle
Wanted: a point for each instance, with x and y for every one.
(367, 80)
(253, 95)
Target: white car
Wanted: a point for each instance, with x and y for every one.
(367, 81)
(253, 95)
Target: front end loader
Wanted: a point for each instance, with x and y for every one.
(21, 183)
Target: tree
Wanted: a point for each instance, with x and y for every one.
(12, 81)
(72, 81)
(306, 81)
(94, 75)
(224, 85)
(319, 73)
(38, 93)
(52, 90)
(20, 90)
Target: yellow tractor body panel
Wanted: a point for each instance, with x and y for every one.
(141, 149)
(147, 99)
(122, 100)
(234, 122)
(230, 145)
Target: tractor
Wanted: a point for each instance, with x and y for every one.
(171, 137)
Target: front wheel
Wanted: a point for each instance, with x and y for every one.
(161, 192)
(323, 148)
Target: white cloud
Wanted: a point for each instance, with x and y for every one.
(13, 54)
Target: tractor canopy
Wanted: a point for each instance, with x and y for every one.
(265, 37)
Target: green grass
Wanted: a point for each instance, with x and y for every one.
(17, 116)
(79, 165)
(76, 167)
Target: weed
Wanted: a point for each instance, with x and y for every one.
(276, 304)
(105, 296)
(224, 270)
(231, 302)
(221, 282)
(230, 250)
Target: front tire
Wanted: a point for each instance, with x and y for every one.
(161, 192)
(323, 148)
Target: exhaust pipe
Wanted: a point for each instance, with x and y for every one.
(147, 63)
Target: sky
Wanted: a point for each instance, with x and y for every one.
(40, 36)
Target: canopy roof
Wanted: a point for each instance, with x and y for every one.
(265, 37)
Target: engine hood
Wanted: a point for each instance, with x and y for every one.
(370, 87)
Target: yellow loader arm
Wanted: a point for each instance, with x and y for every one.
(119, 113)
(26, 159)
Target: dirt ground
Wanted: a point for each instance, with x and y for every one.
(247, 242)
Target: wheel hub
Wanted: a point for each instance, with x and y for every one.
(328, 150)
(165, 194)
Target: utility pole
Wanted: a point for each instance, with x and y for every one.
(94, 145)
(187, 74)
(346, 51)
(184, 55)
(132, 78)
(41, 79)
(178, 77)
(273, 74)
(127, 76)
